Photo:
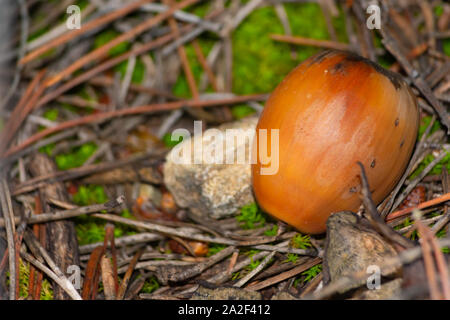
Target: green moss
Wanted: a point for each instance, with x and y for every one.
(90, 229)
(406, 223)
(138, 72)
(241, 111)
(437, 169)
(271, 232)
(251, 217)
(260, 63)
(169, 141)
(438, 11)
(308, 275)
(291, 257)
(90, 194)
(106, 36)
(235, 276)
(215, 248)
(311, 272)
(446, 46)
(77, 157)
(199, 9)
(51, 114)
(89, 232)
(300, 241)
(39, 33)
(253, 264)
(24, 281)
(150, 285)
(424, 123)
(444, 163)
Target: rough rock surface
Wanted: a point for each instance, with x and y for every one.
(353, 245)
(203, 293)
(213, 190)
(283, 295)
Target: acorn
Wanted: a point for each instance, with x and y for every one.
(331, 111)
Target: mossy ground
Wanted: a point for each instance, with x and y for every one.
(259, 64)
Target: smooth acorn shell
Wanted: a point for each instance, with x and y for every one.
(333, 110)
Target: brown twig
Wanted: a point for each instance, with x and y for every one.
(74, 173)
(423, 205)
(311, 42)
(91, 25)
(285, 275)
(375, 218)
(103, 67)
(109, 237)
(91, 271)
(108, 278)
(182, 55)
(66, 214)
(99, 52)
(37, 249)
(201, 58)
(22, 109)
(180, 233)
(255, 271)
(418, 80)
(63, 283)
(8, 216)
(152, 108)
(425, 242)
(127, 276)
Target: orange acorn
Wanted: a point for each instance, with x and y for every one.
(333, 110)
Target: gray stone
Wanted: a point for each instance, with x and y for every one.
(203, 293)
(352, 245)
(283, 295)
(211, 190)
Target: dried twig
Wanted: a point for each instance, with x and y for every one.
(39, 251)
(108, 278)
(311, 42)
(23, 42)
(66, 214)
(152, 108)
(374, 217)
(91, 25)
(429, 243)
(9, 225)
(98, 53)
(255, 271)
(422, 174)
(127, 276)
(63, 283)
(423, 205)
(285, 275)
